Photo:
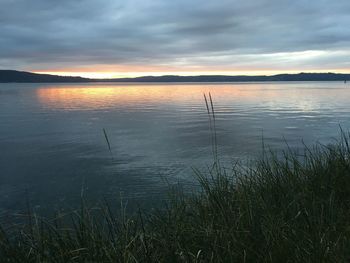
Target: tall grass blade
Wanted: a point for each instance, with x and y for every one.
(107, 141)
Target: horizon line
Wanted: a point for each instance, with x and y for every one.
(179, 75)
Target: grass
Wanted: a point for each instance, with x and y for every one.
(290, 207)
(294, 208)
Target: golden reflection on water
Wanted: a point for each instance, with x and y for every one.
(125, 95)
(107, 95)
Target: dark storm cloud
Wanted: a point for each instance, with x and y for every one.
(48, 33)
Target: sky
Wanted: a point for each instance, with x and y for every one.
(128, 38)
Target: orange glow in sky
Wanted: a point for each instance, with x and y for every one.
(262, 64)
(110, 75)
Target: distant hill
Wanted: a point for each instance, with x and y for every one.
(28, 77)
(220, 78)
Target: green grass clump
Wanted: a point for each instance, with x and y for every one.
(290, 208)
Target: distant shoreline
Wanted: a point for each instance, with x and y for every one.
(13, 76)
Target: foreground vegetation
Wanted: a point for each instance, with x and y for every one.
(291, 208)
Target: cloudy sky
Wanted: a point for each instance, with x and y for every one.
(114, 38)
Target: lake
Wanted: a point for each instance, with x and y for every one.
(53, 148)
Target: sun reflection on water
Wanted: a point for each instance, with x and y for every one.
(106, 96)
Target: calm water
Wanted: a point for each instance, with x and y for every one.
(52, 144)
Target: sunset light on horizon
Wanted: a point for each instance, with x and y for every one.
(112, 75)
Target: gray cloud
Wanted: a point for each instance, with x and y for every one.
(41, 34)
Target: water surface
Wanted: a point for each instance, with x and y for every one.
(53, 147)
